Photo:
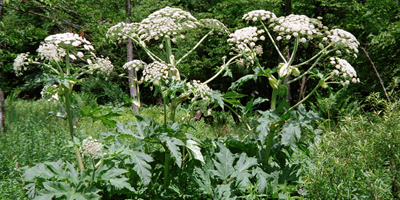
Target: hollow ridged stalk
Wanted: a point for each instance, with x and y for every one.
(69, 114)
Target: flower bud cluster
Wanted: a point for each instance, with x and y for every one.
(199, 90)
(104, 65)
(54, 46)
(167, 22)
(91, 147)
(158, 72)
(256, 15)
(134, 64)
(346, 70)
(50, 92)
(122, 30)
(343, 40)
(293, 26)
(20, 63)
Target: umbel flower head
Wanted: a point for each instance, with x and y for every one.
(55, 46)
(199, 90)
(158, 72)
(91, 147)
(259, 15)
(167, 22)
(344, 70)
(293, 26)
(122, 30)
(21, 62)
(244, 42)
(134, 64)
(344, 40)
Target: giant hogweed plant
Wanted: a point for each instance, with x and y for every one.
(64, 58)
(291, 32)
(166, 27)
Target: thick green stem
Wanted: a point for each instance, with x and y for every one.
(270, 138)
(273, 99)
(71, 128)
(68, 91)
(172, 114)
(166, 167)
(165, 101)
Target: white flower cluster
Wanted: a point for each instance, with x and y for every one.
(104, 65)
(134, 64)
(54, 46)
(293, 26)
(244, 41)
(346, 70)
(50, 92)
(122, 30)
(167, 22)
(215, 24)
(344, 39)
(158, 72)
(199, 90)
(91, 147)
(20, 63)
(259, 15)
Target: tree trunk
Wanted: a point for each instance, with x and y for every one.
(129, 52)
(2, 112)
(1, 9)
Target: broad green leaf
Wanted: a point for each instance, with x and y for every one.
(217, 96)
(193, 146)
(291, 131)
(241, 170)
(223, 163)
(203, 178)
(223, 192)
(57, 189)
(121, 183)
(268, 117)
(113, 173)
(39, 170)
(173, 146)
(262, 179)
(142, 167)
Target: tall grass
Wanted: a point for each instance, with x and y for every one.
(360, 159)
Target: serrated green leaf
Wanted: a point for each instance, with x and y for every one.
(217, 96)
(203, 178)
(268, 117)
(113, 173)
(291, 131)
(262, 179)
(141, 167)
(121, 183)
(223, 192)
(57, 189)
(194, 148)
(36, 171)
(173, 146)
(241, 170)
(223, 163)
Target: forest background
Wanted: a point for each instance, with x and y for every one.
(24, 24)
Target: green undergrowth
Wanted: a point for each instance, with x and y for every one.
(358, 159)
